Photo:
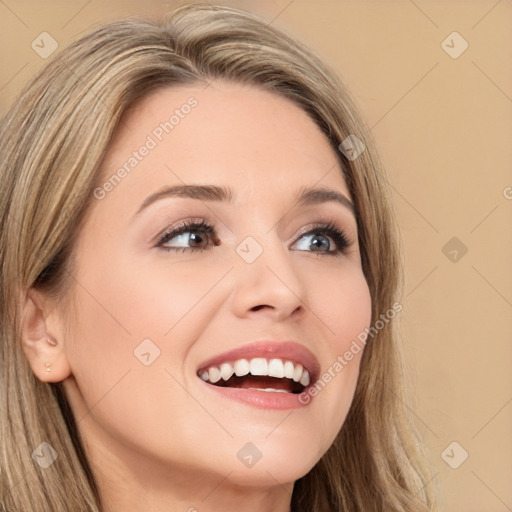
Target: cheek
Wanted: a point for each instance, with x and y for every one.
(129, 315)
(345, 313)
(344, 304)
(120, 326)
(163, 295)
(134, 300)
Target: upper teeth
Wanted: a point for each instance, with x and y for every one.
(257, 366)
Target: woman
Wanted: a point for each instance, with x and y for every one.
(169, 341)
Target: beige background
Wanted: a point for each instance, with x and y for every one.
(443, 127)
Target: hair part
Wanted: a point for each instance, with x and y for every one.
(52, 144)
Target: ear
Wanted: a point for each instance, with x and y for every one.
(45, 353)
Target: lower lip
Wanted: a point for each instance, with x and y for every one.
(262, 399)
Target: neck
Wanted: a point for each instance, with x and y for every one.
(185, 491)
(131, 481)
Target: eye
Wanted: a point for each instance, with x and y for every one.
(324, 239)
(189, 235)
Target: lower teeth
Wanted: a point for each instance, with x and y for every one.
(270, 390)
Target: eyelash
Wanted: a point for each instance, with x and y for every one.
(330, 229)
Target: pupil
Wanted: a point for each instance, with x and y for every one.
(194, 238)
(324, 241)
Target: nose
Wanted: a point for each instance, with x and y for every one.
(270, 285)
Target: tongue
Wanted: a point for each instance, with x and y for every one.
(261, 382)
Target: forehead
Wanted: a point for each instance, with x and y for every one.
(241, 136)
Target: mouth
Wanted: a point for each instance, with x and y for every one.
(264, 374)
(260, 374)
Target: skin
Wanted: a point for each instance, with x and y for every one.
(155, 440)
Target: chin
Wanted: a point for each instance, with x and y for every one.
(265, 460)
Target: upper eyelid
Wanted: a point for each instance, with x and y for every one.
(349, 239)
(193, 224)
(345, 221)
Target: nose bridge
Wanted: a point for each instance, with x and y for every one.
(265, 275)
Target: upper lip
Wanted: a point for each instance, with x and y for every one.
(286, 350)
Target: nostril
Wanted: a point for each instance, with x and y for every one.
(257, 308)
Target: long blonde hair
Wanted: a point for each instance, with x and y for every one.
(52, 142)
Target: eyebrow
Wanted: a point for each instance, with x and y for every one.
(307, 196)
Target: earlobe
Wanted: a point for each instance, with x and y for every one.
(45, 354)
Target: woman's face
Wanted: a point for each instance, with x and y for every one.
(258, 278)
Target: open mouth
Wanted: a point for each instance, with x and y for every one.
(271, 375)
